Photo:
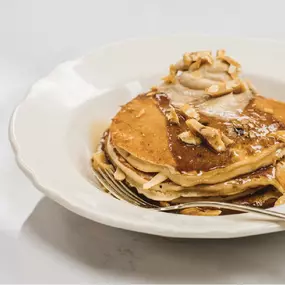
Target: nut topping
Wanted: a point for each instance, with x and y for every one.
(191, 61)
(217, 90)
(187, 59)
(235, 86)
(233, 71)
(172, 116)
(196, 65)
(198, 70)
(226, 139)
(170, 78)
(214, 137)
(205, 56)
(221, 54)
(151, 93)
(189, 138)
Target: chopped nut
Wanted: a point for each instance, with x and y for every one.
(193, 61)
(141, 112)
(217, 90)
(189, 138)
(205, 56)
(196, 65)
(187, 59)
(201, 54)
(212, 136)
(233, 71)
(172, 69)
(172, 115)
(221, 54)
(235, 86)
(200, 212)
(151, 93)
(154, 88)
(213, 88)
(226, 139)
(172, 73)
(169, 79)
(119, 174)
(214, 139)
(189, 111)
(230, 60)
(208, 58)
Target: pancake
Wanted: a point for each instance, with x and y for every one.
(168, 190)
(204, 133)
(152, 145)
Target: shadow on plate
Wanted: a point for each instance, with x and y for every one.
(156, 259)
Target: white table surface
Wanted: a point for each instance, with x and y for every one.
(42, 242)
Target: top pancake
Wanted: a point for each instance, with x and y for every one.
(141, 129)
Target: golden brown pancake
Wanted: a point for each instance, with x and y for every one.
(141, 130)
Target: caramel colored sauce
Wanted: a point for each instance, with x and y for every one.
(248, 142)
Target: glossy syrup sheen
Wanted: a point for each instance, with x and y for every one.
(203, 157)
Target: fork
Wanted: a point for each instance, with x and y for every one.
(121, 191)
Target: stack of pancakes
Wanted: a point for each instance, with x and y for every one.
(203, 134)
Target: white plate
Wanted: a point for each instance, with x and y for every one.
(55, 129)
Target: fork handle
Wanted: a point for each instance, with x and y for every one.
(222, 205)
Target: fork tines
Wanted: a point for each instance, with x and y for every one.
(119, 189)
